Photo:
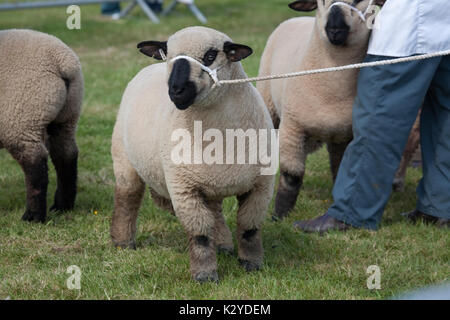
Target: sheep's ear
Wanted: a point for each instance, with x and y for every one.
(379, 2)
(151, 48)
(303, 5)
(236, 52)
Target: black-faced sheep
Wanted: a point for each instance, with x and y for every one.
(165, 98)
(315, 109)
(41, 91)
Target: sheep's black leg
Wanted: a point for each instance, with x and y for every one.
(64, 154)
(288, 189)
(33, 160)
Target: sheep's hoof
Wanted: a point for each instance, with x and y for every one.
(207, 276)
(398, 185)
(128, 245)
(249, 265)
(33, 216)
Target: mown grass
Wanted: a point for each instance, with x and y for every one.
(34, 257)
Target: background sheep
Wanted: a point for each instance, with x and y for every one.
(168, 96)
(317, 108)
(41, 90)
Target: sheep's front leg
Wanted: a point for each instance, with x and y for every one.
(222, 234)
(33, 158)
(129, 191)
(199, 222)
(292, 167)
(252, 211)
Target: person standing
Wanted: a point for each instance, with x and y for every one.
(388, 100)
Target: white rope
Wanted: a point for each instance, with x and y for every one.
(340, 68)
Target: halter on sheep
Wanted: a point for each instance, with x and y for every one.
(212, 72)
(361, 14)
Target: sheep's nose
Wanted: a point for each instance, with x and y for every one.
(177, 89)
(336, 31)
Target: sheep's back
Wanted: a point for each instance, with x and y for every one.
(285, 50)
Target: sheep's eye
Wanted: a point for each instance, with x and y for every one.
(209, 57)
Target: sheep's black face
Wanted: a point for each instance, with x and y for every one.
(182, 91)
(336, 28)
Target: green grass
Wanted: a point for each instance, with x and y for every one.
(34, 257)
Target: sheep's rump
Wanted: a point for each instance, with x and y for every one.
(40, 81)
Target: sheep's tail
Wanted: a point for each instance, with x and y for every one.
(70, 71)
(75, 91)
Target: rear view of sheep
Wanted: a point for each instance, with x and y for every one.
(41, 90)
(165, 98)
(315, 109)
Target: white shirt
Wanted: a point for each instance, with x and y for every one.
(408, 27)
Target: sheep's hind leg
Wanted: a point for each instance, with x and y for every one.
(336, 152)
(198, 220)
(292, 167)
(33, 158)
(129, 192)
(64, 155)
(251, 214)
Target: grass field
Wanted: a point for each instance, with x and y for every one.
(34, 257)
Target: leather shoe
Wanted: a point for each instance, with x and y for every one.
(417, 215)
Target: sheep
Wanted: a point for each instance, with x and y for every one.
(41, 91)
(316, 109)
(167, 97)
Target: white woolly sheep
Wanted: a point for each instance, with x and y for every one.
(41, 91)
(315, 109)
(167, 97)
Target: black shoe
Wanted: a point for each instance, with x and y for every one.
(416, 215)
(322, 224)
